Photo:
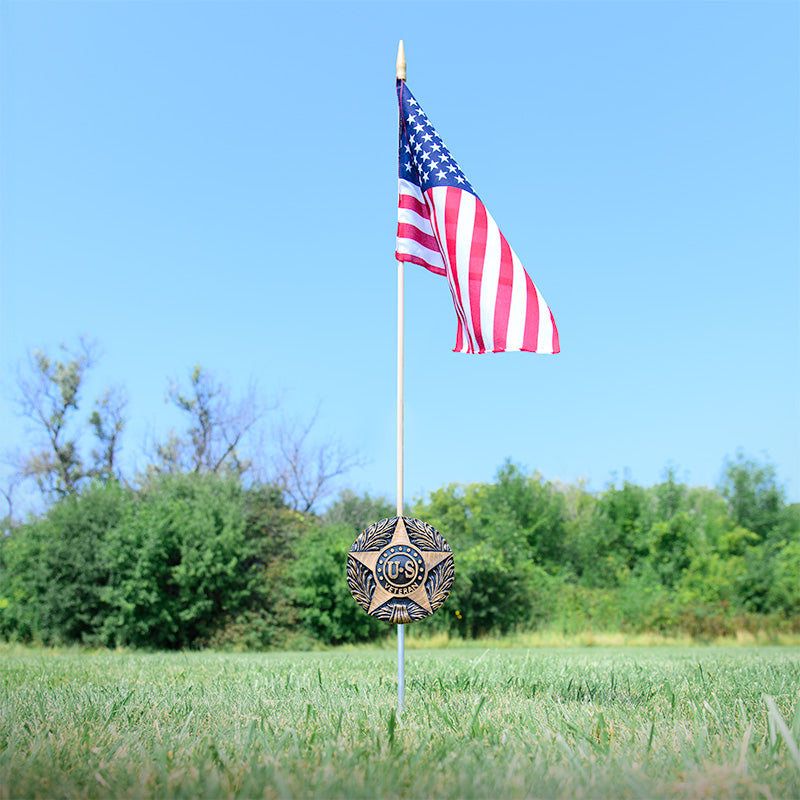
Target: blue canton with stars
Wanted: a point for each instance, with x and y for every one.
(424, 159)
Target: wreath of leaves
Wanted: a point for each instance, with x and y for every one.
(440, 582)
(361, 583)
(392, 611)
(376, 537)
(425, 536)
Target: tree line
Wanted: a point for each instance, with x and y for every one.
(221, 435)
(205, 550)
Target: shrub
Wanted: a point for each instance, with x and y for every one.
(55, 569)
(179, 563)
(325, 607)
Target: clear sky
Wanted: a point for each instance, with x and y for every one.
(215, 183)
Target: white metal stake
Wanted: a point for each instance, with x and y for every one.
(401, 636)
(401, 666)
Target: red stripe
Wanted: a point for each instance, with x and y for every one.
(477, 257)
(451, 209)
(556, 343)
(420, 261)
(407, 231)
(451, 272)
(502, 303)
(530, 336)
(459, 337)
(410, 202)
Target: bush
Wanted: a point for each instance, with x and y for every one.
(326, 609)
(491, 594)
(179, 563)
(55, 569)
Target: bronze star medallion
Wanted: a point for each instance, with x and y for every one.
(400, 570)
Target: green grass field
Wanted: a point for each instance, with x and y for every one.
(489, 723)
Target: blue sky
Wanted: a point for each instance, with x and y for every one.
(215, 183)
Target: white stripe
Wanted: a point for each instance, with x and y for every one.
(466, 224)
(519, 301)
(406, 215)
(406, 187)
(544, 342)
(407, 246)
(437, 198)
(491, 277)
(491, 270)
(413, 248)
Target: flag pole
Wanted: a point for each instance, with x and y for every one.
(401, 639)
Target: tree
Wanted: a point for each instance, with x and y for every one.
(306, 471)
(225, 436)
(617, 537)
(179, 563)
(217, 428)
(358, 512)
(755, 500)
(49, 391)
(530, 507)
(54, 569)
(325, 607)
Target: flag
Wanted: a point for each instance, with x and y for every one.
(442, 225)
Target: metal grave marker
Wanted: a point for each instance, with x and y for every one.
(400, 570)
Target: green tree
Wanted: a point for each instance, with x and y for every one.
(217, 428)
(783, 596)
(617, 537)
(525, 510)
(358, 512)
(494, 594)
(179, 563)
(55, 569)
(450, 510)
(50, 398)
(326, 608)
(755, 499)
(671, 543)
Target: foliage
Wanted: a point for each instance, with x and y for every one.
(755, 500)
(217, 428)
(358, 512)
(197, 559)
(169, 566)
(50, 393)
(180, 563)
(326, 609)
(493, 594)
(55, 571)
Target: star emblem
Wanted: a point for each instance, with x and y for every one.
(400, 569)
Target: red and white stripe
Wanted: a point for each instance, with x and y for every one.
(416, 239)
(450, 232)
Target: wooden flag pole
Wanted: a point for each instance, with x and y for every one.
(401, 656)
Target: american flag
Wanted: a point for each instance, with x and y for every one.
(443, 226)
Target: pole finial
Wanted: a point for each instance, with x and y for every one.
(401, 62)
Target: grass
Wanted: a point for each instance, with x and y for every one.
(588, 638)
(479, 722)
